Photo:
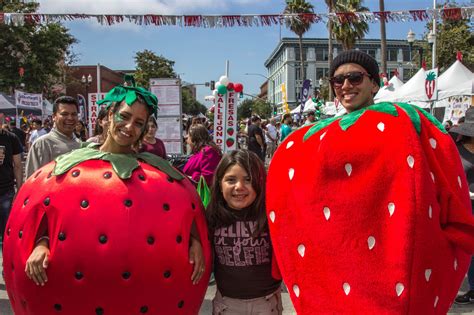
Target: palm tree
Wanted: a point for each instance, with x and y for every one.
(299, 24)
(347, 32)
(330, 4)
(383, 39)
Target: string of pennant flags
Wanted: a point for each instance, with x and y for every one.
(244, 20)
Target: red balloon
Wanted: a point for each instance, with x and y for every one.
(230, 86)
(238, 87)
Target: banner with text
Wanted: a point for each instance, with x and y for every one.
(93, 110)
(29, 100)
(225, 121)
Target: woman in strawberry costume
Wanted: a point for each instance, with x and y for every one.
(370, 212)
(104, 230)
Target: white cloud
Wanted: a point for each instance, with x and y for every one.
(163, 7)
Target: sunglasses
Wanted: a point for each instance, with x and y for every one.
(355, 78)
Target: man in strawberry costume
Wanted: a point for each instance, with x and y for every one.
(370, 212)
(104, 230)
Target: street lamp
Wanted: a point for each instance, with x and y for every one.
(86, 81)
(411, 40)
(431, 41)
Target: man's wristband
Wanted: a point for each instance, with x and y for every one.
(42, 238)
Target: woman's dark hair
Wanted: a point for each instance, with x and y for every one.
(82, 133)
(217, 213)
(152, 120)
(200, 138)
(98, 130)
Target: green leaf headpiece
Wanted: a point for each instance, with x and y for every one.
(129, 93)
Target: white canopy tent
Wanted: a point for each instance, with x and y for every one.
(456, 81)
(385, 93)
(412, 92)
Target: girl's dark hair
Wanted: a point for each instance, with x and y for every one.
(98, 130)
(200, 138)
(217, 213)
(152, 119)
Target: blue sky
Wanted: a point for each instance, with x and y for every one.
(200, 53)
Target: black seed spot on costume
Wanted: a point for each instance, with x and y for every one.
(99, 311)
(126, 275)
(62, 236)
(150, 240)
(179, 239)
(144, 309)
(166, 207)
(171, 180)
(50, 174)
(84, 204)
(180, 304)
(46, 201)
(25, 202)
(20, 234)
(58, 307)
(141, 177)
(127, 203)
(79, 275)
(37, 174)
(103, 239)
(167, 274)
(193, 206)
(107, 175)
(75, 173)
(8, 231)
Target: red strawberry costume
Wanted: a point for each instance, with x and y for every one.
(119, 227)
(370, 214)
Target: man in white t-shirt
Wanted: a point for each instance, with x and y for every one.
(271, 137)
(37, 132)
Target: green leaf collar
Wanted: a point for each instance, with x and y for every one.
(122, 164)
(350, 119)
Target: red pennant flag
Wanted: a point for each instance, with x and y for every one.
(459, 55)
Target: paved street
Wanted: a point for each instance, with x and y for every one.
(207, 305)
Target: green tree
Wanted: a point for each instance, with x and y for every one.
(244, 110)
(150, 65)
(43, 51)
(299, 24)
(190, 105)
(451, 37)
(347, 32)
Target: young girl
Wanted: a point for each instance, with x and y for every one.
(243, 263)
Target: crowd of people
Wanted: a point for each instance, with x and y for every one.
(246, 273)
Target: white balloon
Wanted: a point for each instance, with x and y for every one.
(214, 93)
(224, 80)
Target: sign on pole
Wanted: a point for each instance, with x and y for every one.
(93, 110)
(431, 84)
(28, 100)
(225, 121)
(168, 92)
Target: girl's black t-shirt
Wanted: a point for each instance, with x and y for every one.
(242, 263)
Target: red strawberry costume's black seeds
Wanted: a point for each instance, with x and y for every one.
(62, 236)
(84, 204)
(103, 239)
(144, 309)
(75, 173)
(107, 175)
(79, 275)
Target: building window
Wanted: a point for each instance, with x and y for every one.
(392, 55)
(321, 73)
(322, 54)
(406, 75)
(406, 55)
(372, 52)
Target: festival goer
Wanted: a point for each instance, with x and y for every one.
(255, 134)
(80, 131)
(127, 127)
(271, 138)
(381, 221)
(152, 144)
(285, 129)
(205, 154)
(37, 131)
(60, 140)
(244, 267)
(18, 132)
(11, 173)
(310, 118)
(100, 130)
(466, 151)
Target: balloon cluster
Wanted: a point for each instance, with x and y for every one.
(225, 85)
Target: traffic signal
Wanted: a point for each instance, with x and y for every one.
(275, 110)
(213, 85)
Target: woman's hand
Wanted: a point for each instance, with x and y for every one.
(196, 257)
(37, 263)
